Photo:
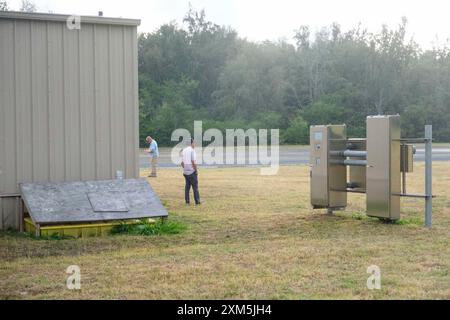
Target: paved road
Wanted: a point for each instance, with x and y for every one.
(294, 155)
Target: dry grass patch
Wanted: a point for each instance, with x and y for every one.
(253, 237)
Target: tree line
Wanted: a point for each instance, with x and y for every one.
(26, 6)
(203, 71)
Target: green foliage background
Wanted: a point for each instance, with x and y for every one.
(203, 71)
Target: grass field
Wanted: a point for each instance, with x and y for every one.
(253, 237)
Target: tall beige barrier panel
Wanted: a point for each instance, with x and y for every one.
(383, 167)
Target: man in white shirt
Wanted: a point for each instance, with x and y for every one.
(189, 165)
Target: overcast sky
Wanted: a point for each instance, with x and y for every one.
(260, 20)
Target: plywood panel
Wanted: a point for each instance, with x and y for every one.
(49, 203)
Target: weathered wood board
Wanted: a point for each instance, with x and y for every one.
(84, 201)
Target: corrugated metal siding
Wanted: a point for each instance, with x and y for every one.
(69, 104)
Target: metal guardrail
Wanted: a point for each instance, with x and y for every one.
(428, 196)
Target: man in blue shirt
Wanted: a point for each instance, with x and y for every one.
(154, 154)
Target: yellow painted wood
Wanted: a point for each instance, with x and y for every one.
(76, 230)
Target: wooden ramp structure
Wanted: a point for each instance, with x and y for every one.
(92, 202)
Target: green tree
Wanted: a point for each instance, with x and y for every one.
(202, 71)
(211, 46)
(28, 6)
(176, 110)
(297, 132)
(4, 6)
(413, 118)
(323, 112)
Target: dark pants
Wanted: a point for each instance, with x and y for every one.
(191, 180)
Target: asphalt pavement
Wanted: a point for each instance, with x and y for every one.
(288, 155)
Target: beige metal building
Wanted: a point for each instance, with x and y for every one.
(68, 102)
